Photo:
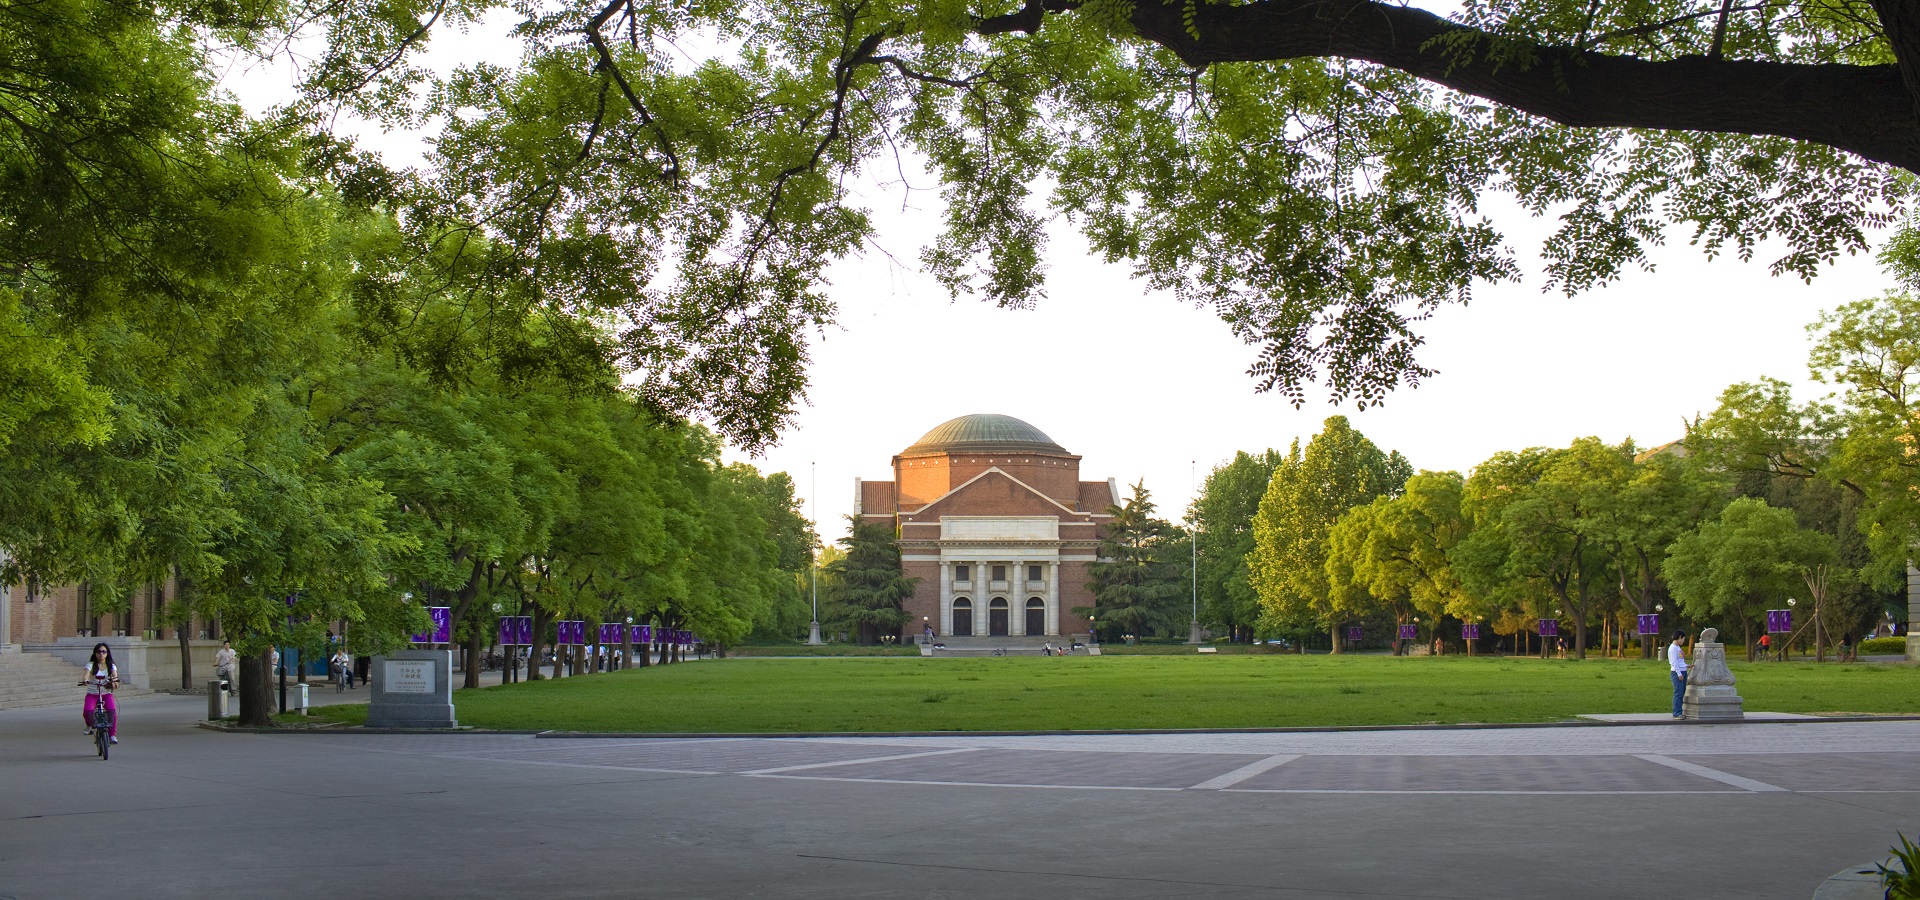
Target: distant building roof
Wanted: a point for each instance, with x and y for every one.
(983, 433)
(1670, 448)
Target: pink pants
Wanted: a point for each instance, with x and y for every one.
(113, 713)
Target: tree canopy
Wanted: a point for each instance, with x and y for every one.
(664, 185)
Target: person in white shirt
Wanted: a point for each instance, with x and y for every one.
(1677, 669)
(343, 665)
(226, 664)
(102, 677)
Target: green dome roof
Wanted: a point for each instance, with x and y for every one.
(985, 433)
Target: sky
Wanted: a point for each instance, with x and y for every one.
(1146, 389)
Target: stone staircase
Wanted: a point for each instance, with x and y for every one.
(1005, 645)
(42, 679)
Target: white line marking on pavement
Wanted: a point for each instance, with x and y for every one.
(542, 762)
(856, 762)
(1745, 784)
(1048, 787)
(1221, 782)
(1346, 791)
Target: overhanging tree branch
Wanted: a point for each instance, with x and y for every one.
(1867, 110)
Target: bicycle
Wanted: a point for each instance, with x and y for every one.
(102, 729)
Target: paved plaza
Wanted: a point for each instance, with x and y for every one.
(1748, 810)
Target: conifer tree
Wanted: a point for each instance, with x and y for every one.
(866, 588)
(1136, 584)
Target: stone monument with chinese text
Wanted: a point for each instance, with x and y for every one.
(412, 689)
(1710, 695)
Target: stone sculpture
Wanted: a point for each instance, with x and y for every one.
(1710, 695)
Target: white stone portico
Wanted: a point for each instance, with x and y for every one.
(979, 543)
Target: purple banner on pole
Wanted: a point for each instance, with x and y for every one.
(686, 637)
(1470, 631)
(1779, 621)
(442, 631)
(507, 630)
(1353, 633)
(523, 630)
(1409, 632)
(645, 635)
(1549, 628)
(563, 632)
(606, 632)
(1649, 623)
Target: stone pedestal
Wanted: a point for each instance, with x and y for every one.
(412, 689)
(1710, 695)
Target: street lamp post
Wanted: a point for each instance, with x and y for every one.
(813, 628)
(1193, 541)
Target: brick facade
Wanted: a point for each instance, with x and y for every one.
(985, 495)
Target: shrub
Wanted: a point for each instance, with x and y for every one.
(1882, 645)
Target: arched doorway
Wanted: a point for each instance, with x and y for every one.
(997, 617)
(963, 617)
(1036, 615)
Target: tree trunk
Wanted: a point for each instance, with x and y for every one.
(186, 655)
(256, 690)
(1333, 638)
(473, 657)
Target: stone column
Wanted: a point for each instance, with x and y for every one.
(6, 612)
(945, 616)
(1053, 596)
(1017, 600)
(1913, 610)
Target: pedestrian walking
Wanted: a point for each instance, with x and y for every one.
(226, 665)
(1677, 669)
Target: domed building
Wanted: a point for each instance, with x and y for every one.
(997, 525)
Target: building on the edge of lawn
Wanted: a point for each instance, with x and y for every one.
(997, 525)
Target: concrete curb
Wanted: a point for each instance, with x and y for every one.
(337, 728)
(1297, 729)
(1861, 882)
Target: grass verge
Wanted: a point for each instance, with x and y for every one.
(1077, 693)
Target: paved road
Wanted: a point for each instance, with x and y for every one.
(1696, 811)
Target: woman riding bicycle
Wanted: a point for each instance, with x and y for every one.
(102, 677)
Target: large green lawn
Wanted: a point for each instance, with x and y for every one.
(1040, 693)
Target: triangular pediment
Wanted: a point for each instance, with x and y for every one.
(994, 492)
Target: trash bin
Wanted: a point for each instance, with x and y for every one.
(216, 700)
(299, 699)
